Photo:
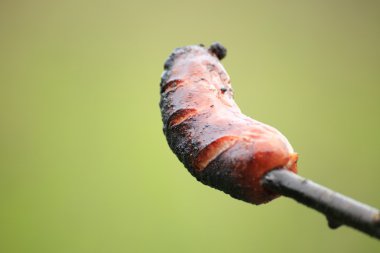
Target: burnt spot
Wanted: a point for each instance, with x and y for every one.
(211, 67)
(179, 139)
(233, 173)
(230, 173)
(218, 49)
(176, 53)
(171, 85)
(169, 62)
(213, 150)
(179, 116)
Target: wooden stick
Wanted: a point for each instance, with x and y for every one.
(339, 209)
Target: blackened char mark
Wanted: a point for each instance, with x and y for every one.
(181, 139)
(218, 49)
(180, 115)
(171, 85)
(213, 150)
(231, 172)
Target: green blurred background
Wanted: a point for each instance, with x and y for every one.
(84, 166)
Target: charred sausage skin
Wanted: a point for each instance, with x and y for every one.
(220, 146)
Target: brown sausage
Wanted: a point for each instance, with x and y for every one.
(205, 128)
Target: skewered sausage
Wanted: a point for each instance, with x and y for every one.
(220, 146)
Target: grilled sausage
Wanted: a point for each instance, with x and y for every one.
(220, 146)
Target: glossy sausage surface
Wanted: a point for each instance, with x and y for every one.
(205, 128)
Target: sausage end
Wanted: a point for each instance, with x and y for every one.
(218, 49)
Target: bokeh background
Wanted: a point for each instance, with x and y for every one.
(84, 166)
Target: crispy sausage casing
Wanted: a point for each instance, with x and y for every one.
(205, 128)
